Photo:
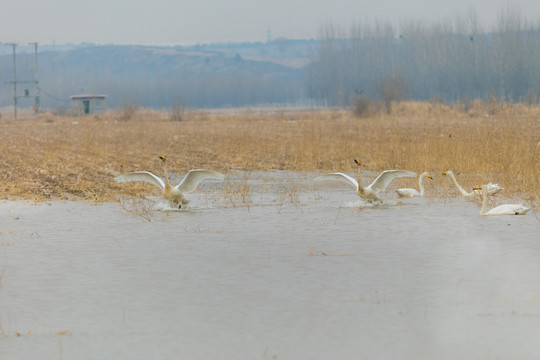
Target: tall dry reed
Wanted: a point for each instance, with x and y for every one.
(76, 158)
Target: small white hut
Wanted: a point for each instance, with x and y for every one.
(88, 104)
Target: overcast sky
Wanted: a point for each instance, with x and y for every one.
(181, 22)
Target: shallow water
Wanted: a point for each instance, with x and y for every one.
(280, 271)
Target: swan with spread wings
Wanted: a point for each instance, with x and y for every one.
(173, 194)
(372, 191)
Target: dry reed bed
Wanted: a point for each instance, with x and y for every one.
(48, 157)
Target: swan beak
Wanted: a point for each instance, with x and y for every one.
(163, 158)
(477, 187)
(429, 176)
(444, 173)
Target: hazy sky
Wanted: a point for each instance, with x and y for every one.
(171, 22)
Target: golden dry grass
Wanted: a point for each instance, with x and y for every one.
(47, 157)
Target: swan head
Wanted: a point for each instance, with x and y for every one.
(482, 189)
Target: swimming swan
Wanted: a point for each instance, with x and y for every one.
(492, 189)
(413, 192)
(173, 194)
(506, 209)
(371, 192)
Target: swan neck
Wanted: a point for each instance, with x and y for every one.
(359, 179)
(461, 190)
(420, 185)
(167, 184)
(484, 203)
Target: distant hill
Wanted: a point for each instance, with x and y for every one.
(380, 63)
(218, 75)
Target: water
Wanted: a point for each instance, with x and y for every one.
(286, 270)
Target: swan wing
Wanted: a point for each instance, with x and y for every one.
(339, 177)
(141, 176)
(521, 210)
(407, 192)
(382, 181)
(508, 209)
(493, 188)
(194, 178)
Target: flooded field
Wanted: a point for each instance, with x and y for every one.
(273, 267)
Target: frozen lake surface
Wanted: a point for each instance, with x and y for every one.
(266, 267)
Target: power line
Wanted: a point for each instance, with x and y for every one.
(54, 97)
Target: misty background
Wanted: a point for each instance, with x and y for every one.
(452, 60)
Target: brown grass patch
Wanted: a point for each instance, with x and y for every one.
(77, 158)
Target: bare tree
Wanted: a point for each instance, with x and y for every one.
(392, 88)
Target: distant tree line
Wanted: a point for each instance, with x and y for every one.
(454, 60)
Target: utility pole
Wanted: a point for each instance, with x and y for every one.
(15, 82)
(36, 105)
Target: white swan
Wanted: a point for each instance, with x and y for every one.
(407, 192)
(506, 209)
(173, 194)
(371, 192)
(491, 188)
